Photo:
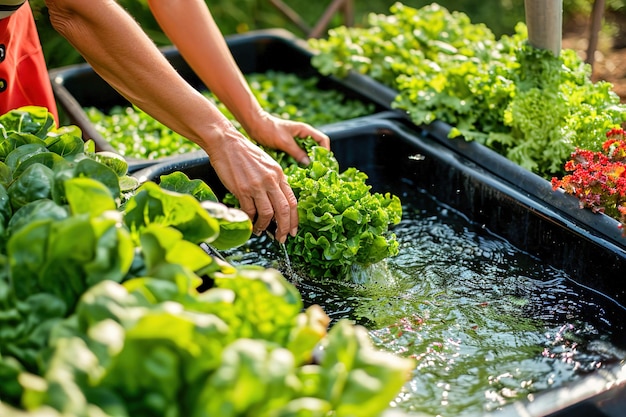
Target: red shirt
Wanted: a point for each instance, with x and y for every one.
(24, 79)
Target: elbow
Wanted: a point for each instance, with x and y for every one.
(61, 13)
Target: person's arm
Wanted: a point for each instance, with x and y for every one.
(120, 52)
(190, 26)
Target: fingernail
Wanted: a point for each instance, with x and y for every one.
(256, 232)
(293, 231)
(305, 161)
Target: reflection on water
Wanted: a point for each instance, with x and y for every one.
(487, 323)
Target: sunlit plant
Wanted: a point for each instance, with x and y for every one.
(598, 179)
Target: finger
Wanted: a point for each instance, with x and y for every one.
(264, 214)
(292, 148)
(321, 138)
(301, 156)
(293, 208)
(285, 212)
(247, 206)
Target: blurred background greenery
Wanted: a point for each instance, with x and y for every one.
(244, 15)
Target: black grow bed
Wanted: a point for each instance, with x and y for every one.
(78, 86)
(390, 151)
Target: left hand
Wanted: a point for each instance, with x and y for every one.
(276, 133)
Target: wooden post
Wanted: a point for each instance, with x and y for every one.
(544, 19)
(291, 15)
(348, 13)
(330, 11)
(597, 14)
(345, 7)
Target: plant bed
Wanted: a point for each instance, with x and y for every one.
(79, 88)
(401, 158)
(495, 100)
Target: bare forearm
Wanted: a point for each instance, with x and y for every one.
(124, 56)
(190, 26)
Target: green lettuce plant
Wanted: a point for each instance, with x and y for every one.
(522, 102)
(102, 311)
(341, 222)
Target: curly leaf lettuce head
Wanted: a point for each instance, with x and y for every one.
(555, 109)
(341, 221)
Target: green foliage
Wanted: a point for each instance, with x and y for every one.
(235, 225)
(32, 120)
(145, 355)
(61, 217)
(101, 313)
(523, 102)
(152, 204)
(179, 182)
(554, 109)
(135, 134)
(341, 222)
(500, 16)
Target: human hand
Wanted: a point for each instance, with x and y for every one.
(276, 133)
(257, 181)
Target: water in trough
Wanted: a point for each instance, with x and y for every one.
(486, 322)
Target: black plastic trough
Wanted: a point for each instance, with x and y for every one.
(541, 222)
(78, 86)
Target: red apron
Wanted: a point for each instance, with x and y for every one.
(24, 79)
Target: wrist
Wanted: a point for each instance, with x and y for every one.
(254, 121)
(218, 135)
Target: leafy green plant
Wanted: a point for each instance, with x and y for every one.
(522, 102)
(342, 224)
(191, 356)
(101, 312)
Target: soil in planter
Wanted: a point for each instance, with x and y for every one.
(487, 323)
